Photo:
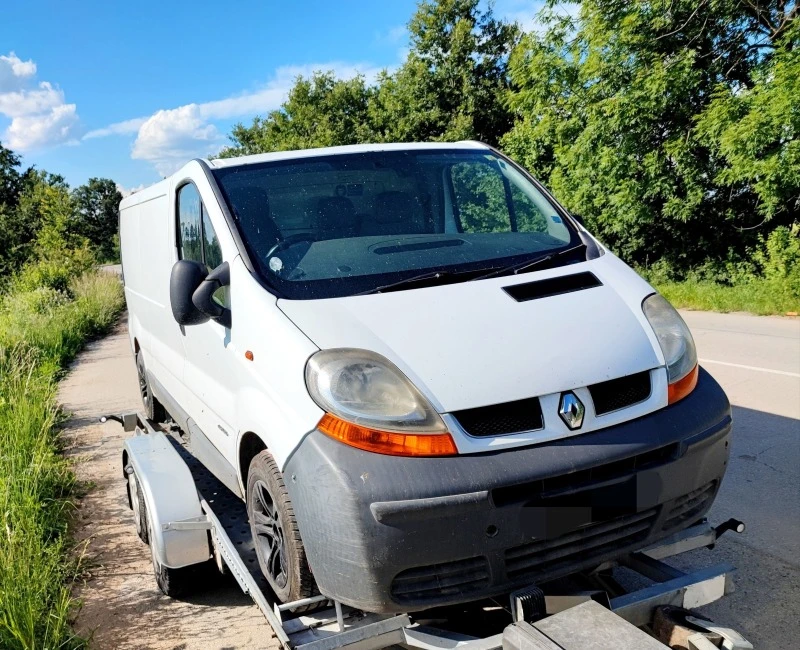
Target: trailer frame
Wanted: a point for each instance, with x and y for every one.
(187, 531)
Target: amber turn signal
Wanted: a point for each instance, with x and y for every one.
(387, 442)
(681, 388)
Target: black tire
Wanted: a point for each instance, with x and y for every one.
(276, 536)
(153, 409)
(176, 582)
(136, 502)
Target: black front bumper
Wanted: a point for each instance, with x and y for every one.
(386, 534)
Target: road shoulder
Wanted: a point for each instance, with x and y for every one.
(121, 605)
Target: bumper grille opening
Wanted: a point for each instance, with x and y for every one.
(549, 556)
(617, 394)
(501, 419)
(548, 487)
(437, 582)
(689, 506)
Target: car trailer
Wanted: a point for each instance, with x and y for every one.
(190, 519)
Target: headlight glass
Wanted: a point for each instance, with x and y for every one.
(367, 389)
(673, 336)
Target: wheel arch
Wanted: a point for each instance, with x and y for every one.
(250, 445)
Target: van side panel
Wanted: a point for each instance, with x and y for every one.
(148, 252)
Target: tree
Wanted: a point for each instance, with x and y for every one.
(453, 84)
(452, 87)
(15, 235)
(756, 129)
(97, 215)
(608, 107)
(321, 111)
(11, 179)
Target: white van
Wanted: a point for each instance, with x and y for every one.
(427, 380)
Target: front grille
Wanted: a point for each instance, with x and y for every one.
(501, 419)
(575, 480)
(689, 506)
(620, 393)
(591, 543)
(437, 582)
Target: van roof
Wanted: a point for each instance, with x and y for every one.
(333, 151)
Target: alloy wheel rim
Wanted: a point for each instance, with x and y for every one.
(143, 387)
(269, 536)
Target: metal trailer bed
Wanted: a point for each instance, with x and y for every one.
(187, 507)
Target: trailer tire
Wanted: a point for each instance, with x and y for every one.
(275, 532)
(174, 582)
(137, 504)
(153, 409)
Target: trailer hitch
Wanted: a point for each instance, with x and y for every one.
(732, 524)
(127, 420)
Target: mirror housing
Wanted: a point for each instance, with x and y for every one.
(579, 219)
(184, 279)
(203, 296)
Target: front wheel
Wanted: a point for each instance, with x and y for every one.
(153, 409)
(280, 551)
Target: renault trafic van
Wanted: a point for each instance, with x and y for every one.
(427, 380)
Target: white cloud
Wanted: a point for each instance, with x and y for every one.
(27, 102)
(40, 116)
(127, 191)
(171, 137)
(117, 128)
(14, 72)
(57, 126)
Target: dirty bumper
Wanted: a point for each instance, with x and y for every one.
(387, 534)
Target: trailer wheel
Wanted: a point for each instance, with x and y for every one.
(280, 551)
(173, 582)
(136, 501)
(153, 409)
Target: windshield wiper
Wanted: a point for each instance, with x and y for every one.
(521, 267)
(431, 279)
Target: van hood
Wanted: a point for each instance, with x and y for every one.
(471, 344)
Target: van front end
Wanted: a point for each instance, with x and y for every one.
(388, 533)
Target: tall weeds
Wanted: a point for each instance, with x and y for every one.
(40, 331)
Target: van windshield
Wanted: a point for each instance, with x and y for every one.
(356, 223)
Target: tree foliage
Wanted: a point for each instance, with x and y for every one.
(451, 87)
(43, 221)
(671, 125)
(453, 83)
(97, 215)
(321, 111)
(630, 113)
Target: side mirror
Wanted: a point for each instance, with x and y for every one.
(579, 219)
(203, 297)
(186, 276)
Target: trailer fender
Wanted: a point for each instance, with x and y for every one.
(179, 530)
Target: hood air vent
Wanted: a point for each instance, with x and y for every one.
(553, 286)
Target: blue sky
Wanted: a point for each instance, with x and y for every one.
(131, 90)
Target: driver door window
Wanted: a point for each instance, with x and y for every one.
(197, 239)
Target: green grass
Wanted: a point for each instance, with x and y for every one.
(40, 331)
(758, 296)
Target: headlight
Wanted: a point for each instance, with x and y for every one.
(371, 404)
(676, 343)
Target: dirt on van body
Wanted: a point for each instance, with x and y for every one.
(121, 604)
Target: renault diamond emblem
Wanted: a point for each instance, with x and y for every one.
(571, 410)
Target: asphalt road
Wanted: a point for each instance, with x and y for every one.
(756, 359)
(757, 362)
